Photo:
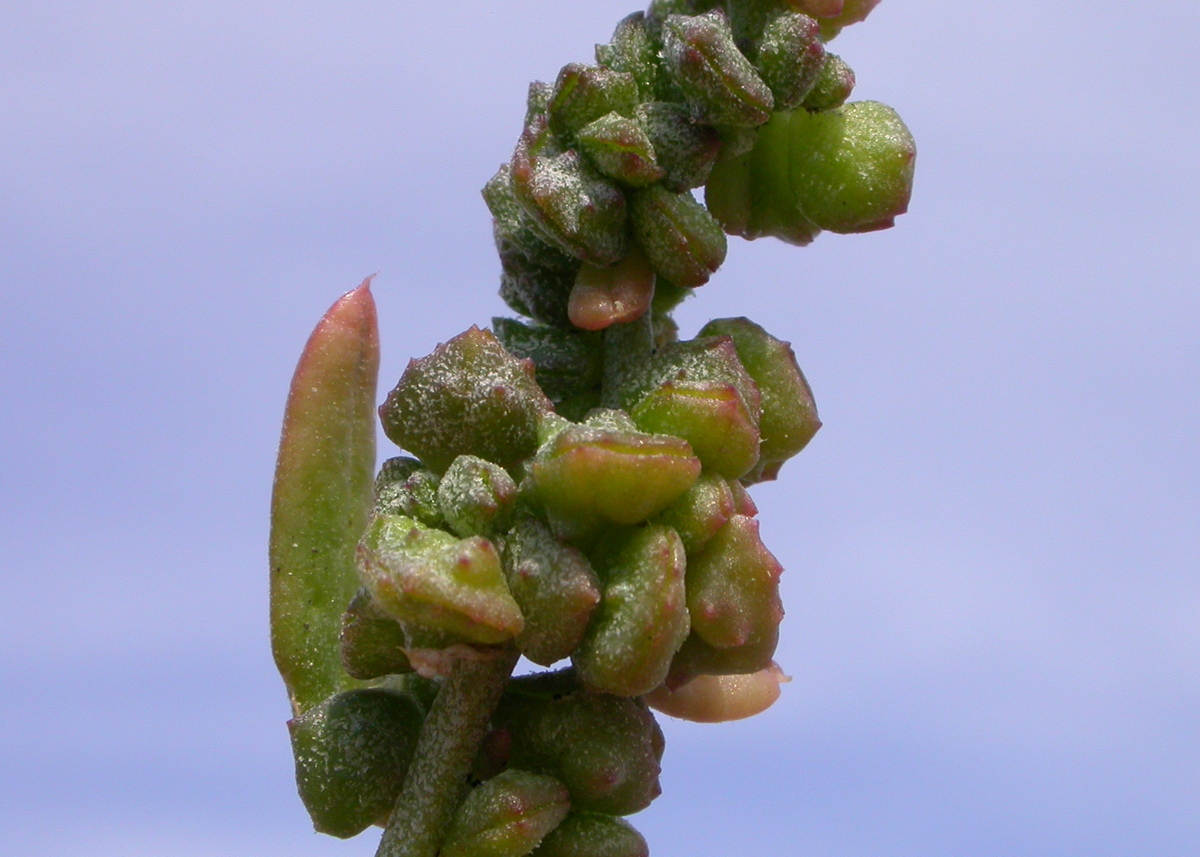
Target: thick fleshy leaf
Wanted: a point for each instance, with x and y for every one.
(322, 497)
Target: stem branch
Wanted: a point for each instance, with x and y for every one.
(455, 727)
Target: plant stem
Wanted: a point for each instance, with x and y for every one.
(450, 739)
(627, 349)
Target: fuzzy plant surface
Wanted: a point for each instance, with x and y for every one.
(574, 487)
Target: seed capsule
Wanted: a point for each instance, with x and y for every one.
(642, 619)
(683, 242)
(507, 816)
(696, 657)
(406, 487)
(573, 206)
(587, 475)
(833, 85)
(851, 168)
(469, 396)
(620, 148)
(733, 587)
(352, 752)
(684, 150)
(431, 580)
(701, 512)
(790, 57)
(555, 587)
(607, 750)
(536, 276)
(633, 51)
(698, 390)
(851, 12)
(719, 83)
(476, 497)
(584, 93)
(789, 414)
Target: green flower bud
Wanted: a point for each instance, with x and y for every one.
(574, 207)
(718, 82)
(469, 396)
(372, 641)
(633, 51)
(642, 619)
(555, 587)
(620, 149)
(584, 93)
(586, 476)
(602, 297)
(790, 58)
(699, 391)
(720, 698)
(507, 816)
(733, 587)
(696, 657)
(749, 194)
(432, 580)
(352, 752)
(684, 150)
(789, 414)
(476, 497)
(833, 85)
(536, 276)
(585, 834)
(606, 749)
(851, 168)
(567, 362)
(404, 486)
(701, 512)
(680, 238)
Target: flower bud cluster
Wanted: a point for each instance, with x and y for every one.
(575, 482)
(741, 97)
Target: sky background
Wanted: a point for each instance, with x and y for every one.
(992, 547)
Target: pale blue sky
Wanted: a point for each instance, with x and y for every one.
(993, 546)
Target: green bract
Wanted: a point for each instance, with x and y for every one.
(469, 397)
(586, 476)
(434, 581)
(643, 617)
